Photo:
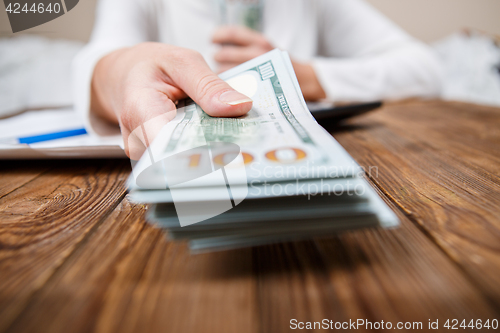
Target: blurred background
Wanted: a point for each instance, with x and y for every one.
(464, 33)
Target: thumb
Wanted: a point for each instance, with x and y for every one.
(212, 94)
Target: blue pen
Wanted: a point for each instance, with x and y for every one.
(45, 137)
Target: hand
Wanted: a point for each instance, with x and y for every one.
(240, 44)
(137, 88)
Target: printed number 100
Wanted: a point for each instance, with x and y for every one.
(16, 8)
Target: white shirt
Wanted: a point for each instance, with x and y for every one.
(357, 54)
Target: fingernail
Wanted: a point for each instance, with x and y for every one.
(232, 97)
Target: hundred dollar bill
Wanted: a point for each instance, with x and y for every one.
(278, 140)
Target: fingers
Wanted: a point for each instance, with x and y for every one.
(239, 44)
(149, 77)
(237, 54)
(191, 73)
(241, 36)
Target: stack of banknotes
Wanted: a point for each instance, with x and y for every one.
(272, 175)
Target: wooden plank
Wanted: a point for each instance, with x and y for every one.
(128, 278)
(375, 275)
(17, 173)
(44, 221)
(449, 191)
(470, 132)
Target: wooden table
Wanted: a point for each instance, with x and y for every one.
(76, 256)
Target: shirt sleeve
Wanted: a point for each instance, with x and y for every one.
(119, 23)
(364, 56)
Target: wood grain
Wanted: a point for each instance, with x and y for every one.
(440, 163)
(128, 278)
(42, 222)
(15, 174)
(396, 275)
